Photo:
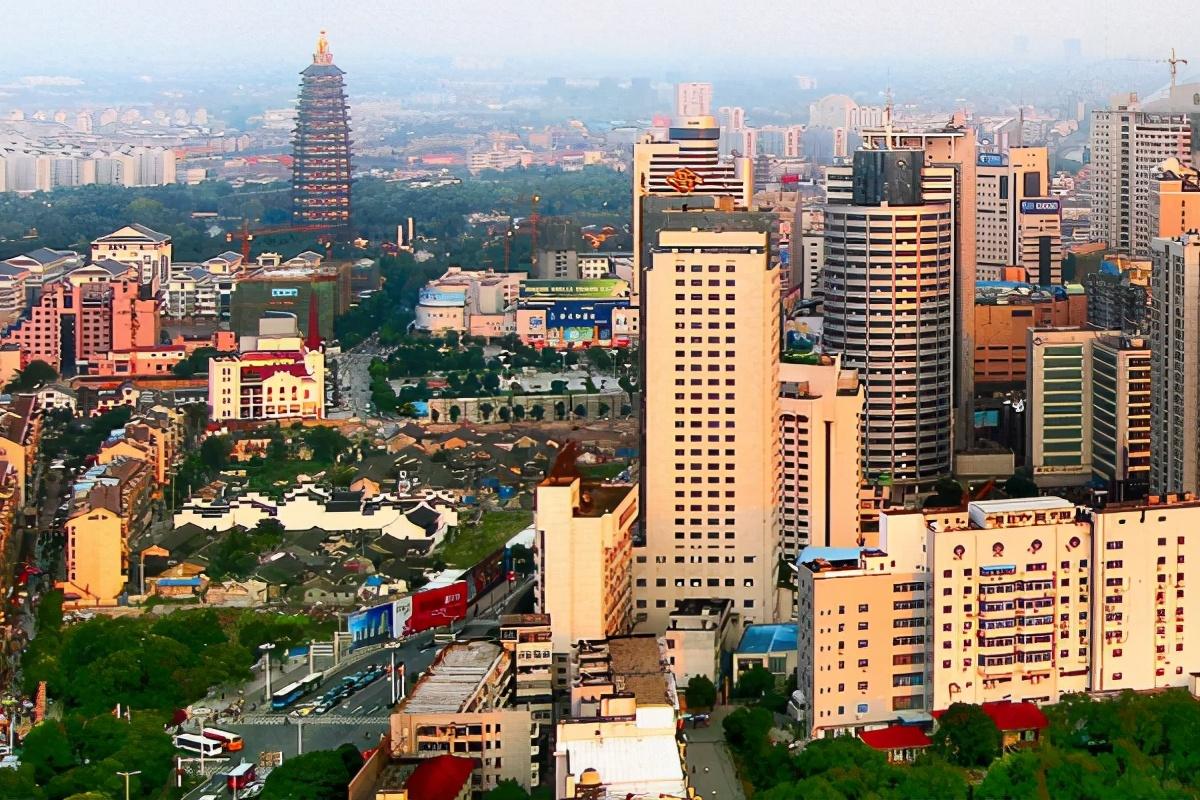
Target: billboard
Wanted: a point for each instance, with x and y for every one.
(591, 289)
(485, 575)
(1040, 206)
(370, 626)
(991, 160)
(433, 608)
(442, 297)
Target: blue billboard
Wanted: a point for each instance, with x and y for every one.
(991, 160)
(370, 626)
(1040, 206)
(442, 297)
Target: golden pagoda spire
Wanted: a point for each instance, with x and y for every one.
(322, 56)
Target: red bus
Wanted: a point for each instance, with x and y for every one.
(239, 777)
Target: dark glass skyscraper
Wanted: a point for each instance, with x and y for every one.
(321, 145)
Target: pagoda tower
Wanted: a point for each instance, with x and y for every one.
(321, 145)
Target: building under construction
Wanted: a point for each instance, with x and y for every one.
(321, 145)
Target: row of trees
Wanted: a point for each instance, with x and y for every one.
(537, 411)
(1144, 746)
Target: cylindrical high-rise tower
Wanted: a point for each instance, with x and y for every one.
(888, 283)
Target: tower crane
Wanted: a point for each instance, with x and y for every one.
(1173, 62)
(246, 234)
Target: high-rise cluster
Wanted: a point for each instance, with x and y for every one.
(321, 146)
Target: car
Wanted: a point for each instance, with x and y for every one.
(321, 709)
(303, 712)
(252, 790)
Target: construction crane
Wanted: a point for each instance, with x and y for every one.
(533, 230)
(1173, 62)
(246, 235)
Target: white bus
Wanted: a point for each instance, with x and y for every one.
(200, 745)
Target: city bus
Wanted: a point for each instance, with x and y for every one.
(239, 777)
(232, 742)
(200, 745)
(294, 691)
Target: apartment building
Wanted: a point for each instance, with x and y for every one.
(1011, 601)
(1175, 365)
(863, 632)
(1058, 385)
(711, 476)
(147, 250)
(820, 414)
(20, 434)
(191, 293)
(620, 737)
(111, 504)
(1174, 200)
(1128, 142)
(699, 631)
(1144, 615)
(585, 533)
(527, 638)
(81, 317)
(1121, 414)
(42, 266)
(693, 99)
(13, 295)
(461, 706)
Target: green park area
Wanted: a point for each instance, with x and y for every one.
(473, 542)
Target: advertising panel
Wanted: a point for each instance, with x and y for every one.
(434, 608)
(402, 613)
(571, 315)
(991, 160)
(485, 576)
(1040, 206)
(442, 297)
(370, 626)
(593, 288)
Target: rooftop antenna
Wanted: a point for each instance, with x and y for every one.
(1021, 126)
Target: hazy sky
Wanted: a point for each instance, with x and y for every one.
(71, 36)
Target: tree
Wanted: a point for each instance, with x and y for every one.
(342, 475)
(326, 443)
(948, 493)
(518, 412)
(48, 751)
(505, 413)
(485, 410)
(581, 411)
(560, 409)
(701, 692)
(558, 387)
(626, 410)
(754, 683)
(36, 374)
(602, 409)
(491, 382)
(215, 452)
(537, 412)
(455, 413)
(931, 777)
(590, 385)
(507, 790)
(1021, 484)
(317, 775)
(966, 736)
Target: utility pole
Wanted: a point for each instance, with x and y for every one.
(267, 648)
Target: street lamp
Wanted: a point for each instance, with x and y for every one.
(391, 648)
(267, 647)
(127, 776)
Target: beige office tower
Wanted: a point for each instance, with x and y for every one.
(888, 299)
(1017, 222)
(1174, 200)
(711, 452)
(1128, 143)
(820, 407)
(687, 163)
(952, 150)
(1175, 364)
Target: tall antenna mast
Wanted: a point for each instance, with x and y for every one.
(888, 108)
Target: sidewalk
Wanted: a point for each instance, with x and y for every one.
(710, 767)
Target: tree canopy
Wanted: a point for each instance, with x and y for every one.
(317, 775)
(966, 736)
